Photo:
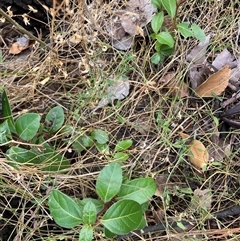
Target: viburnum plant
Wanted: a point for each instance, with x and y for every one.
(119, 209)
(165, 37)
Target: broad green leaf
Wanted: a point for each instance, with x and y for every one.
(89, 213)
(164, 49)
(98, 204)
(120, 157)
(55, 119)
(184, 29)
(109, 181)
(157, 3)
(123, 145)
(64, 210)
(82, 143)
(21, 155)
(102, 148)
(7, 112)
(198, 33)
(108, 233)
(27, 126)
(165, 38)
(170, 6)
(139, 189)
(5, 133)
(157, 58)
(180, 225)
(122, 217)
(52, 160)
(157, 22)
(142, 224)
(86, 233)
(100, 136)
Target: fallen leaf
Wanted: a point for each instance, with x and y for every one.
(118, 90)
(21, 44)
(124, 43)
(215, 84)
(196, 152)
(202, 199)
(197, 54)
(223, 59)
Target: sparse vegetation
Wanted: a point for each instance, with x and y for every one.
(96, 117)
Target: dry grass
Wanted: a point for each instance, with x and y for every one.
(76, 78)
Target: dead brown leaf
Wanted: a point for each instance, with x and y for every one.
(197, 152)
(215, 84)
(21, 44)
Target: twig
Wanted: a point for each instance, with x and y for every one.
(24, 31)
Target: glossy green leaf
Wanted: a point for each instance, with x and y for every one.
(184, 29)
(157, 58)
(157, 22)
(89, 213)
(64, 210)
(98, 204)
(139, 189)
(109, 181)
(108, 233)
(17, 155)
(156, 3)
(170, 6)
(86, 233)
(122, 217)
(100, 136)
(198, 33)
(7, 112)
(164, 49)
(54, 119)
(142, 224)
(5, 133)
(120, 157)
(123, 145)
(52, 160)
(27, 126)
(165, 38)
(82, 143)
(102, 148)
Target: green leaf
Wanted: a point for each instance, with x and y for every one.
(55, 119)
(86, 233)
(157, 3)
(120, 157)
(53, 161)
(180, 225)
(109, 234)
(123, 145)
(27, 126)
(98, 204)
(100, 136)
(21, 155)
(157, 22)
(184, 29)
(64, 210)
(122, 217)
(142, 224)
(170, 6)
(157, 58)
(163, 49)
(139, 190)
(89, 213)
(198, 32)
(165, 38)
(102, 148)
(7, 112)
(109, 181)
(82, 143)
(5, 133)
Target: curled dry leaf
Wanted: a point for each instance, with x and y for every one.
(197, 152)
(215, 84)
(21, 44)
